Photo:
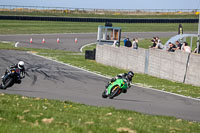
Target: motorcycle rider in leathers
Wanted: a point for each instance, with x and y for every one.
(19, 65)
(126, 76)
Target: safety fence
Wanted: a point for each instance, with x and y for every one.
(177, 66)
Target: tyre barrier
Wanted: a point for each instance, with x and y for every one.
(68, 19)
(90, 54)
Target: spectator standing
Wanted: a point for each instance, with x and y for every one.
(158, 39)
(125, 40)
(128, 43)
(116, 43)
(179, 45)
(107, 37)
(172, 47)
(195, 50)
(159, 45)
(186, 48)
(135, 43)
(153, 41)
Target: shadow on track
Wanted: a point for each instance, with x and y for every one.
(17, 90)
(121, 99)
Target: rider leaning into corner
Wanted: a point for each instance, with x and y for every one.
(126, 76)
(19, 65)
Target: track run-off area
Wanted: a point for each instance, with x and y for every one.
(54, 80)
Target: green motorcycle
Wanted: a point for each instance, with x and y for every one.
(115, 88)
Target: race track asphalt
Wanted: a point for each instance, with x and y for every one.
(49, 79)
(67, 41)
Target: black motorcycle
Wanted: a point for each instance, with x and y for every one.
(12, 77)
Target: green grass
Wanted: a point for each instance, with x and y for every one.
(140, 79)
(19, 114)
(41, 27)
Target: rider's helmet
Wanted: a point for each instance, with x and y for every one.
(130, 75)
(20, 65)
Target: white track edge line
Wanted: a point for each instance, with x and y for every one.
(16, 44)
(81, 49)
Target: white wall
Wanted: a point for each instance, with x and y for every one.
(155, 62)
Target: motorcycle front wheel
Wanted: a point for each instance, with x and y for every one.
(104, 94)
(1, 87)
(8, 82)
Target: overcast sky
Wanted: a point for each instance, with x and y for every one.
(109, 4)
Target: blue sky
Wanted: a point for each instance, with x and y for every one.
(109, 4)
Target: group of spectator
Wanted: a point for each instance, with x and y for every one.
(180, 46)
(133, 44)
(156, 43)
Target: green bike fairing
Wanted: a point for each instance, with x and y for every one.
(119, 82)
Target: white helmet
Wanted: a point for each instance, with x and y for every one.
(20, 64)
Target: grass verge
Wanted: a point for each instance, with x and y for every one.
(41, 27)
(19, 114)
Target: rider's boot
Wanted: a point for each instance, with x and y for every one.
(106, 92)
